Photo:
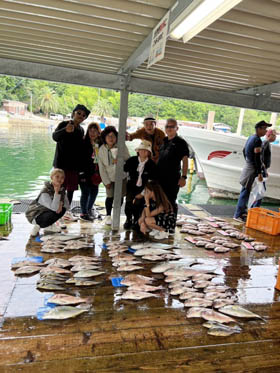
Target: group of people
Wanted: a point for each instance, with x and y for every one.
(89, 159)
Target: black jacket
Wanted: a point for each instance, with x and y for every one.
(68, 152)
(149, 173)
(88, 167)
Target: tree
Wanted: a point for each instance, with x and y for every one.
(48, 101)
(102, 108)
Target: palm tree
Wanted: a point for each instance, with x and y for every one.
(102, 108)
(48, 101)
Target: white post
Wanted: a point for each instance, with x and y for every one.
(210, 122)
(120, 160)
(273, 119)
(240, 122)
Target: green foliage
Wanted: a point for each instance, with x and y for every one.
(62, 98)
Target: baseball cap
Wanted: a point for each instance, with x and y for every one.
(262, 123)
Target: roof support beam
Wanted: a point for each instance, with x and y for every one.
(142, 52)
(153, 87)
(60, 74)
(266, 89)
(138, 85)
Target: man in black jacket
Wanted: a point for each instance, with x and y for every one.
(69, 142)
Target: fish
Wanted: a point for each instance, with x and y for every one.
(202, 276)
(137, 295)
(211, 315)
(135, 277)
(26, 263)
(82, 267)
(221, 330)
(219, 288)
(160, 268)
(123, 263)
(181, 271)
(231, 245)
(88, 273)
(220, 242)
(128, 268)
(194, 312)
(255, 243)
(53, 269)
(238, 311)
(88, 283)
(210, 246)
(150, 251)
(62, 313)
(190, 294)
(47, 286)
(219, 303)
(179, 289)
(152, 257)
(65, 299)
(221, 249)
(76, 247)
(58, 262)
(144, 287)
(201, 243)
(27, 270)
(190, 239)
(77, 258)
(260, 247)
(198, 302)
(201, 284)
(52, 250)
(176, 278)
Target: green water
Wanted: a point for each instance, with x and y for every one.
(26, 156)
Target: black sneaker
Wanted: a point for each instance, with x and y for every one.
(86, 217)
(127, 224)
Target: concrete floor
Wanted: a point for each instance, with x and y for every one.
(149, 335)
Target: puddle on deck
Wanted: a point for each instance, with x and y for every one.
(114, 326)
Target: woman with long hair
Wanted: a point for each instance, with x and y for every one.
(158, 215)
(90, 177)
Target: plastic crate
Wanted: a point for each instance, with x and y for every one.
(6, 210)
(264, 220)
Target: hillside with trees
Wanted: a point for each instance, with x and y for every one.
(47, 97)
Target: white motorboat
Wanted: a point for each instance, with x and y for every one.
(221, 159)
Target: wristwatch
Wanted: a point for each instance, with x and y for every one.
(146, 205)
(184, 177)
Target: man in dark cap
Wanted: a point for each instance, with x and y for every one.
(150, 133)
(69, 143)
(253, 168)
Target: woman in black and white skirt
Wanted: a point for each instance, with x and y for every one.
(158, 216)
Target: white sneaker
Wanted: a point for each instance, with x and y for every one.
(69, 216)
(35, 230)
(52, 229)
(108, 220)
(153, 232)
(161, 235)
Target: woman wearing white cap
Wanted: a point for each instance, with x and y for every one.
(140, 169)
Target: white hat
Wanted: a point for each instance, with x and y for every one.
(144, 145)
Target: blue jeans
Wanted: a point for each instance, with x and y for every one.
(88, 197)
(242, 202)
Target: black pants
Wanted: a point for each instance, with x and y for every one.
(171, 190)
(133, 210)
(48, 218)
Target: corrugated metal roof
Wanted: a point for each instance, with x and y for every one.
(241, 50)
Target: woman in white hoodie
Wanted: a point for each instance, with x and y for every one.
(107, 167)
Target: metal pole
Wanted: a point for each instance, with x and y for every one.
(273, 119)
(240, 122)
(120, 160)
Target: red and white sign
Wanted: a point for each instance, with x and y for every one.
(159, 40)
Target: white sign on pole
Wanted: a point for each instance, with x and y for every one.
(158, 41)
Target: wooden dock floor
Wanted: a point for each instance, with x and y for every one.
(151, 335)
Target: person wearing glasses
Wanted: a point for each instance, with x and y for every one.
(150, 133)
(69, 144)
(173, 152)
(253, 168)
